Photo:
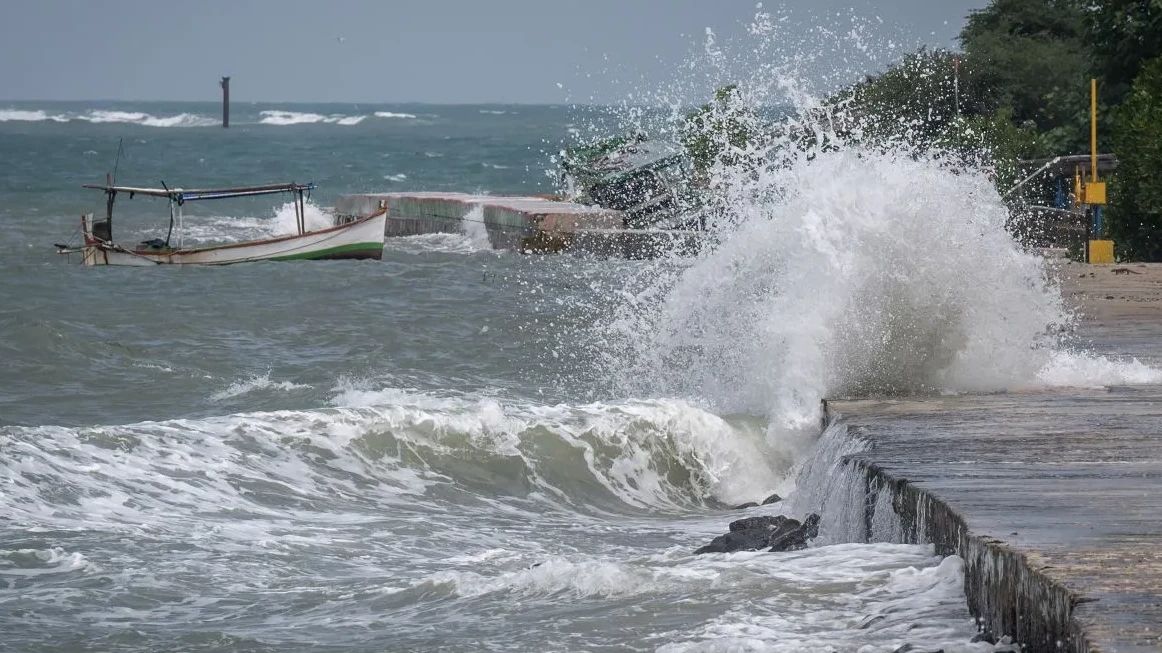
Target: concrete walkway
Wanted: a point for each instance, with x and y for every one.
(1053, 498)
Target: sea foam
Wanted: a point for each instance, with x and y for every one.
(285, 118)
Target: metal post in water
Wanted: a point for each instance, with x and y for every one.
(225, 101)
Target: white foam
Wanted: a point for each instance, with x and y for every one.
(436, 242)
(253, 384)
(392, 114)
(148, 120)
(285, 222)
(40, 562)
(24, 115)
(658, 453)
(198, 229)
(474, 228)
(99, 116)
(850, 598)
(1081, 369)
(284, 118)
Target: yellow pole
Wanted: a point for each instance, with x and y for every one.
(1093, 128)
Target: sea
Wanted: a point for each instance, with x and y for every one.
(458, 448)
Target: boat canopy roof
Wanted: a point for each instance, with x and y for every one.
(182, 195)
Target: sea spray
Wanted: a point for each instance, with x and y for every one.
(281, 221)
(834, 264)
(473, 226)
(285, 220)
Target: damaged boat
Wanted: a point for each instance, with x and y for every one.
(360, 238)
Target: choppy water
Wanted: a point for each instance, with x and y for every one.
(456, 448)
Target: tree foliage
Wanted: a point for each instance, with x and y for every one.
(993, 141)
(722, 131)
(1031, 57)
(1136, 211)
(1123, 34)
(915, 100)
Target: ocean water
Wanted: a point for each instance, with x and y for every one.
(461, 449)
(419, 453)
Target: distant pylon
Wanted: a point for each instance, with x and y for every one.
(225, 101)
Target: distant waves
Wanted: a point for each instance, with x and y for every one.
(106, 116)
(273, 117)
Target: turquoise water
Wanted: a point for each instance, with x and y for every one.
(418, 453)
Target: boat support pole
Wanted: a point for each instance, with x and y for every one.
(169, 233)
(300, 212)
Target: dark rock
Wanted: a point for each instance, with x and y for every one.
(776, 532)
(908, 648)
(774, 498)
(749, 540)
(744, 506)
(795, 537)
(768, 522)
(984, 636)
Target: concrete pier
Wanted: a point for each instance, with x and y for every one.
(528, 224)
(1053, 498)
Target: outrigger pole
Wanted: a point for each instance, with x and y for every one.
(170, 232)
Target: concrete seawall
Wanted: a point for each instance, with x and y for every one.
(1052, 497)
(528, 224)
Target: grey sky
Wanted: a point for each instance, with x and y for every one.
(395, 50)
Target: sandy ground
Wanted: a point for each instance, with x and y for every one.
(1120, 306)
(1130, 291)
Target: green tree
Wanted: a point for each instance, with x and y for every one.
(1135, 213)
(913, 101)
(1124, 34)
(1031, 56)
(722, 131)
(993, 141)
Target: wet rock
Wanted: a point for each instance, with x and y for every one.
(984, 636)
(744, 506)
(796, 538)
(752, 540)
(768, 522)
(773, 532)
(774, 498)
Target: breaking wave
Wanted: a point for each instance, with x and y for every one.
(837, 267)
(99, 116)
(22, 115)
(283, 118)
(148, 120)
(383, 447)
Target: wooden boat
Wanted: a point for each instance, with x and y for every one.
(360, 238)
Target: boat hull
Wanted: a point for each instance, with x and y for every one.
(361, 239)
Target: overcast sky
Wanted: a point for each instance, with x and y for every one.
(443, 51)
